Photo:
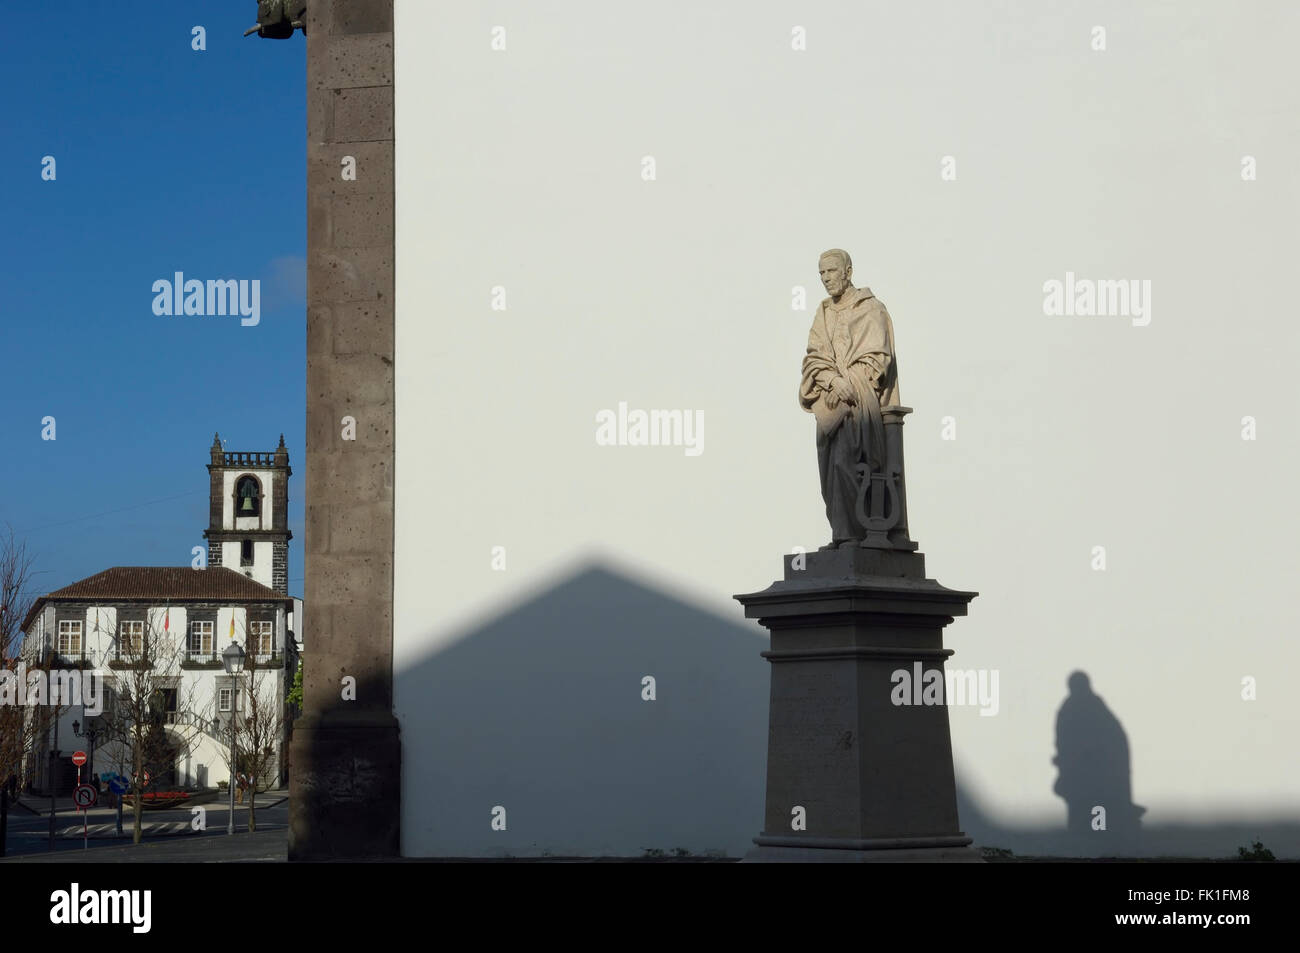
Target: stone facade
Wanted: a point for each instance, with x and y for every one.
(280, 567)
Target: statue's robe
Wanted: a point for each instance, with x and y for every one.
(853, 339)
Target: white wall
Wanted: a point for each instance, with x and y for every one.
(263, 560)
(197, 692)
(522, 169)
(295, 622)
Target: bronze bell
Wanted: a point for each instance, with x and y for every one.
(247, 505)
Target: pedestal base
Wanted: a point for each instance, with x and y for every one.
(345, 786)
(904, 850)
(859, 760)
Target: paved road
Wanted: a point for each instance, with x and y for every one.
(29, 834)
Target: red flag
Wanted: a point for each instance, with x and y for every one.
(167, 620)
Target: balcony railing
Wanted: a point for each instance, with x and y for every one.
(256, 458)
(189, 719)
(74, 660)
(193, 658)
(212, 660)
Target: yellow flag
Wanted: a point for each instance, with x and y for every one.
(232, 625)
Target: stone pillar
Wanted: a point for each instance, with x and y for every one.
(279, 567)
(216, 485)
(346, 755)
(873, 777)
(893, 418)
(882, 496)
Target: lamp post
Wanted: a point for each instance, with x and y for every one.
(90, 734)
(54, 760)
(233, 659)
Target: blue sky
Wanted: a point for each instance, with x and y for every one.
(168, 159)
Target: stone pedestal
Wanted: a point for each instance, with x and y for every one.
(346, 786)
(873, 776)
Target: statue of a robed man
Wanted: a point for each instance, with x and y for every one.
(277, 19)
(849, 373)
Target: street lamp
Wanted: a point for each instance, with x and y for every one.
(90, 734)
(233, 659)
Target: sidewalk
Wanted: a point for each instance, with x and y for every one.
(260, 847)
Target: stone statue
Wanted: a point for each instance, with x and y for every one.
(277, 19)
(849, 374)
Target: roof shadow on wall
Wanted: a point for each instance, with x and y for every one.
(542, 711)
(539, 711)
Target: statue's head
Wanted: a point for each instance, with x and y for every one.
(836, 269)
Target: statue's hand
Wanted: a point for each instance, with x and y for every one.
(831, 400)
(842, 391)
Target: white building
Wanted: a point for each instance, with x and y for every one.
(96, 626)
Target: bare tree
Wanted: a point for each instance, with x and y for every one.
(258, 711)
(19, 726)
(147, 699)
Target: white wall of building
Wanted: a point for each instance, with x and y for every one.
(1035, 438)
(202, 756)
(295, 622)
(263, 560)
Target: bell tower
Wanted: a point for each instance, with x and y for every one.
(248, 514)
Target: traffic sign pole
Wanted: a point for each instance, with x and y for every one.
(79, 758)
(118, 785)
(85, 797)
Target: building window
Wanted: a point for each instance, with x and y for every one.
(130, 637)
(248, 497)
(246, 553)
(69, 638)
(162, 705)
(223, 699)
(201, 637)
(261, 637)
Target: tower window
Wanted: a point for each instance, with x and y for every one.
(246, 553)
(248, 497)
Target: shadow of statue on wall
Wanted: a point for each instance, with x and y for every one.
(1094, 773)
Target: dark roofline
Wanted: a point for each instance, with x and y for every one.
(53, 598)
(45, 600)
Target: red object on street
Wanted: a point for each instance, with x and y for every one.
(79, 758)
